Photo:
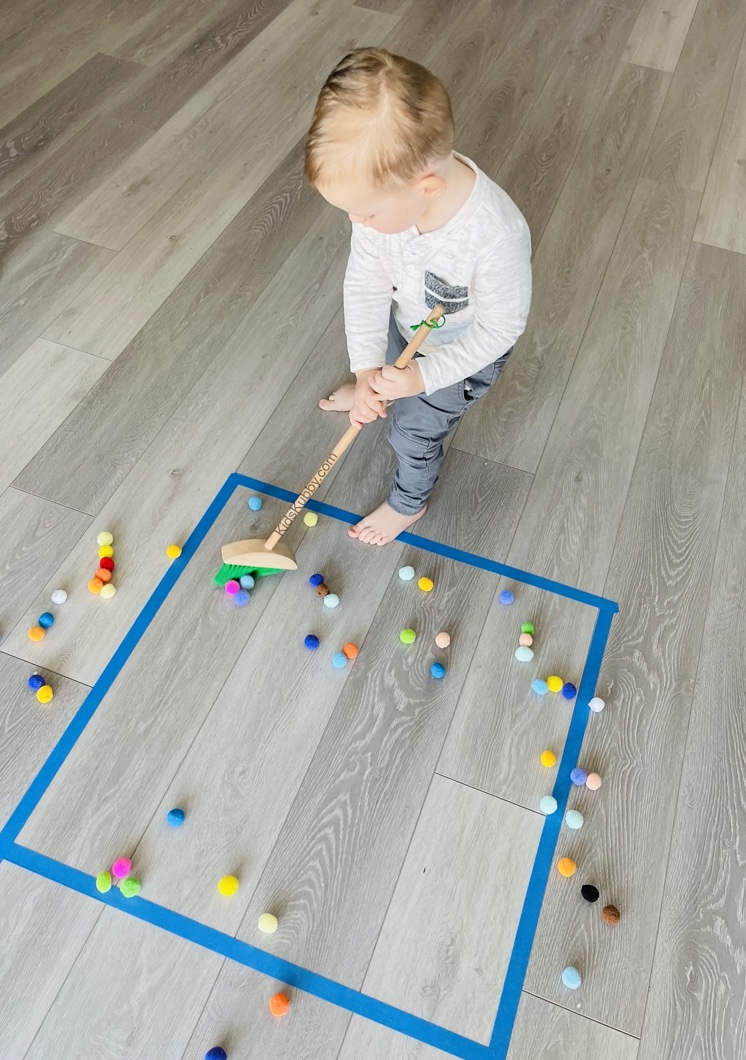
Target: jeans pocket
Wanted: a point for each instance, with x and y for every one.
(477, 385)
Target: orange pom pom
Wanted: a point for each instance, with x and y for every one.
(103, 575)
(566, 867)
(279, 1004)
(350, 650)
(36, 633)
(95, 585)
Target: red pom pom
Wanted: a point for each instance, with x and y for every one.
(106, 563)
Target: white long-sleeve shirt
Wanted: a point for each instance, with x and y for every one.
(478, 266)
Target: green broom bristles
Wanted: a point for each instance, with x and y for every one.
(234, 572)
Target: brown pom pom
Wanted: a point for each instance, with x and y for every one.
(323, 590)
(610, 914)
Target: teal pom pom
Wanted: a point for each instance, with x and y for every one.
(571, 978)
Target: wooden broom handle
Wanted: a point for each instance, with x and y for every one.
(350, 434)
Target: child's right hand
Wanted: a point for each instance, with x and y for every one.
(367, 405)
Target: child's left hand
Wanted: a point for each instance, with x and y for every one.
(392, 383)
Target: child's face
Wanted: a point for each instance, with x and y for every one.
(387, 210)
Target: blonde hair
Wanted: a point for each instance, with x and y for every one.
(381, 116)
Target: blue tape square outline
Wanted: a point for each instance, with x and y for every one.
(294, 975)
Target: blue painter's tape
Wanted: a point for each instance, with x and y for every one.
(439, 549)
(85, 712)
(529, 919)
(243, 953)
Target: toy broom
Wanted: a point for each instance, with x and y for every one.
(258, 557)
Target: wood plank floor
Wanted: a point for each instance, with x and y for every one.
(170, 310)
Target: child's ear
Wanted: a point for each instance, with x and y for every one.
(431, 186)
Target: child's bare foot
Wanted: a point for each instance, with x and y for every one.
(383, 525)
(341, 400)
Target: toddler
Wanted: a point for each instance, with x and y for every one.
(428, 228)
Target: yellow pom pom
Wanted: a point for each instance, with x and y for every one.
(566, 867)
(173, 551)
(554, 684)
(36, 633)
(268, 923)
(108, 591)
(105, 552)
(548, 759)
(45, 694)
(105, 538)
(228, 885)
(310, 518)
(425, 584)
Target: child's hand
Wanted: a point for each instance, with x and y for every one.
(391, 383)
(367, 405)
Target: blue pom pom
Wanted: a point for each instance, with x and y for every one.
(46, 620)
(246, 581)
(35, 682)
(175, 817)
(339, 660)
(571, 978)
(578, 776)
(548, 804)
(574, 819)
(311, 641)
(316, 579)
(255, 503)
(241, 598)
(216, 1053)
(438, 670)
(540, 687)
(506, 597)
(569, 691)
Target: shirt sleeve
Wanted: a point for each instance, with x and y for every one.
(368, 292)
(501, 291)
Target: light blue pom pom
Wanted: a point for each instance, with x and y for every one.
(574, 819)
(540, 687)
(571, 978)
(406, 573)
(255, 503)
(506, 597)
(438, 670)
(548, 805)
(175, 817)
(246, 581)
(339, 659)
(241, 598)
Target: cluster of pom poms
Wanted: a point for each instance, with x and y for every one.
(238, 589)
(322, 589)
(554, 684)
(524, 652)
(101, 583)
(44, 691)
(45, 621)
(120, 876)
(341, 658)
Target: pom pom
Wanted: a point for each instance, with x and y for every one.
(339, 659)
(593, 781)
(255, 503)
(246, 581)
(45, 694)
(571, 978)
(548, 759)
(589, 892)
(106, 563)
(241, 598)
(108, 591)
(176, 817)
(311, 641)
(173, 551)
(566, 867)
(443, 640)
(322, 590)
(103, 882)
(310, 518)
(122, 867)
(267, 923)
(527, 627)
(228, 885)
(59, 596)
(525, 640)
(35, 682)
(524, 654)
(574, 819)
(407, 636)
(597, 704)
(426, 584)
(578, 776)
(610, 914)
(232, 587)
(105, 538)
(506, 597)
(279, 1004)
(316, 579)
(130, 887)
(216, 1053)
(540, 687)
(332, 600)
(103, 575)
(548, 805)
(105, 552)
(438, 670)
(37, 633)
(569, 691)
(350, 650)
(95, 585)
(406, 573)
(554, 684)
(46, 620)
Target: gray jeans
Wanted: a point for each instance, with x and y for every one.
(419, 425)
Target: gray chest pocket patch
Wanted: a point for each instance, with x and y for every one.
(438, 292)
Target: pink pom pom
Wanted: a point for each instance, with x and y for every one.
(232, 587)
(121, 868)
(525, 640)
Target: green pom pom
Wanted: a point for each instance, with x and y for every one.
(103, 882)
(407, 636)
(130, 887)
(528, 627)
